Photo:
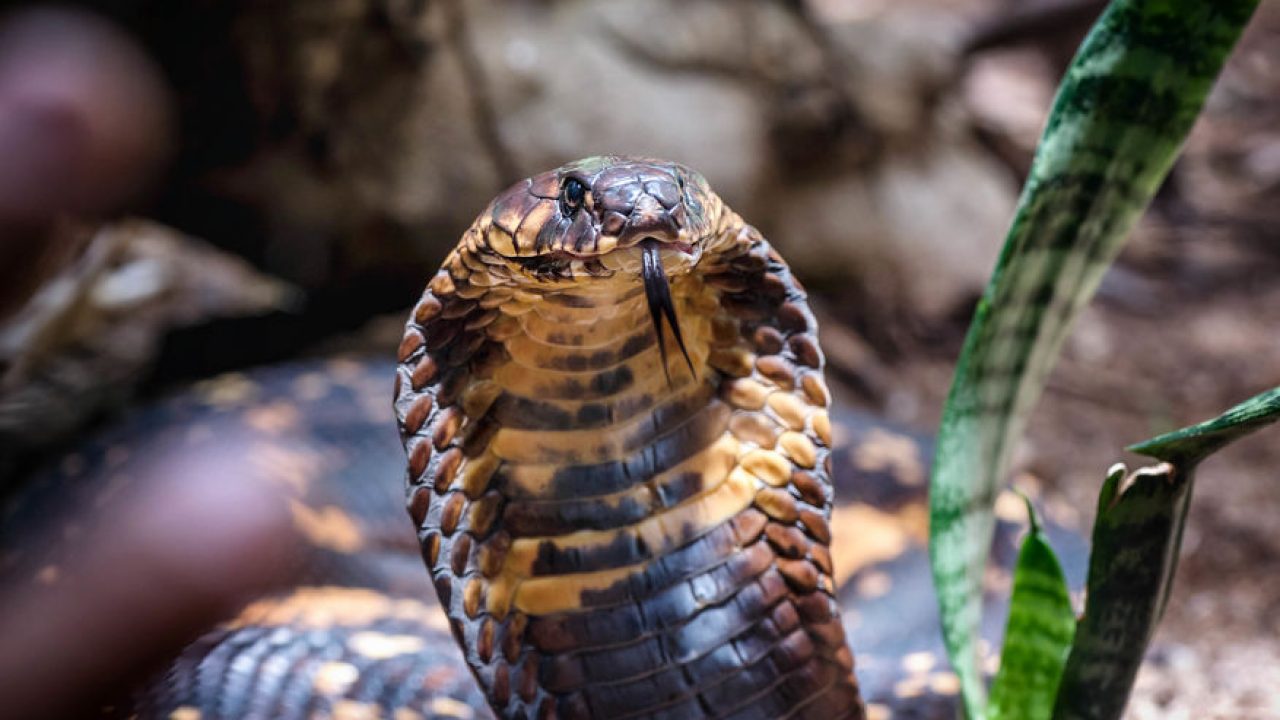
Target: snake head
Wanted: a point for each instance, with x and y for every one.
(590, 217)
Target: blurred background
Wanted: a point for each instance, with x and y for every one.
(189, 187)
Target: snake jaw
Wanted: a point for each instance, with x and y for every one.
(657, 291)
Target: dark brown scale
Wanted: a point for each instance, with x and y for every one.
(805, 350)
(485, 641)
(788, 541)
(624, 622)
(459, 553)
(603, 676)
(418, 413)
(409, 345)
(428, 308)
(431, 548)
(800, 574)
(814, 607)
(810, 488)
(501, 686)
(547, 518)
(444, 589)
(528, 689)
(446, 468)
(821, 556)
(792, 318)
(513, 640)
(772, 288)
(424, 372)
(451, 514)
(777, 369)
(749, 264)
(817, 525)
(419, 456)
(446, 427)
(419, 503)
(768, 340)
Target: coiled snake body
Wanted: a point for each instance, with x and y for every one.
(620, 472)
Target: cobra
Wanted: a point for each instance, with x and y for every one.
(614, 528)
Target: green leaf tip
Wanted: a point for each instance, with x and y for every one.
(1195, 443)
(1033, 519)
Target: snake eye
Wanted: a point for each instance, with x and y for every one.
(573, 194)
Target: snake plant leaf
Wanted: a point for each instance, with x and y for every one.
(1136, 539)
(1123, 110)
(1197, 442)
(1038, 635)
(1135, 547)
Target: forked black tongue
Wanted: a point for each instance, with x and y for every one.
(658, 292)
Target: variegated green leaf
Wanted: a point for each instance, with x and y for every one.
(1038, 634)
(1123, 110)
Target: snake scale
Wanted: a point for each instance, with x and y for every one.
(625, 477)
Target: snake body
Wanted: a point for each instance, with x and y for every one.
(612, 531)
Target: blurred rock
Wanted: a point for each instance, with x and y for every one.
(82, 342)
(326, 141)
